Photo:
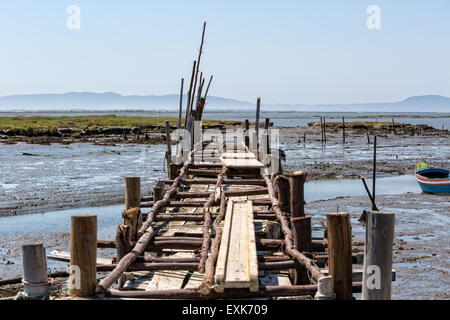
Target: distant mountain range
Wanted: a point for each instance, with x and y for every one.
(113, 101)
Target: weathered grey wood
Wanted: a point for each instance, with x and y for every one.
(83, 255)
(35, 279)
(237, 265)
(377, 275)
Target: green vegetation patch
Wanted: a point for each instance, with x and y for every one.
(40, 123)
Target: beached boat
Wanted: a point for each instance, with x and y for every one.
(432, 180)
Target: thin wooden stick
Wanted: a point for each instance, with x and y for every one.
(207, 221)
(188, 106)
(207, 88)
(206, 285)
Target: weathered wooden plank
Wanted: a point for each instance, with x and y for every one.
(238, 155)
(242, 163)
(237, 265)
(65, 257)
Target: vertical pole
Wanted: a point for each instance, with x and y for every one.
(297, 202)
(132, 200)
(324, 130)
(258, 111)
(169, 149)
(35, 279)
(181, 104)
(132, 192)
(283, 193)
(321, 130)
(393, 126)
(158, 190)
(267, 137)
(247, 137)
(340, 254)
(83, 255)
(343, 130)
(302, 234)
(300, 225)
(374, 175)
(377, 276)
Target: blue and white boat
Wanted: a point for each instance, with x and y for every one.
(432, 180)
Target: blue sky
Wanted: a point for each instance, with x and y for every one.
(284, 51)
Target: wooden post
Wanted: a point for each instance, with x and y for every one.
(324, 130)
(267, 123)
(132, 201)
(374, 175)
(325, 289)
(169, 149)
(368, 137)
(159, 190)
(393, 126)
(181, 104)
(132, 192)
(321, 130)
(340, 254)
(300, 225)
(247, 137)
(35, 279)
(283, 193)
(343, 130)
(258, 111)
(83, 255)
(297, 202)
(377, 276)
(301, 232)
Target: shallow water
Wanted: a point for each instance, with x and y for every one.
(110, 216)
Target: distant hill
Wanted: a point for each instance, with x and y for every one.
(105, 101)
(114, 101)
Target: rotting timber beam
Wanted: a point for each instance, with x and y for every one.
(207, 220)
(145, 234)
(256, 182)
(309, 264)
(263, 292)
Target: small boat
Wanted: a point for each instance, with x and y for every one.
(432, 180)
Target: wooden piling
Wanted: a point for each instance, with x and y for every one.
(35, 279)
(324, 130)
(247, 137)
(83, 255)
(132, 192)
(302, 234)
(393, 126)
(297, 202)
(283, 193)
(321, 130)
(131, 214)
(169, 149)
(181, 104)
(343, 130)
(374, 175)
(258, 111)
(340, 254)
(377, 272)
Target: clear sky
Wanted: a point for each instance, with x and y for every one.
(286, 51)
